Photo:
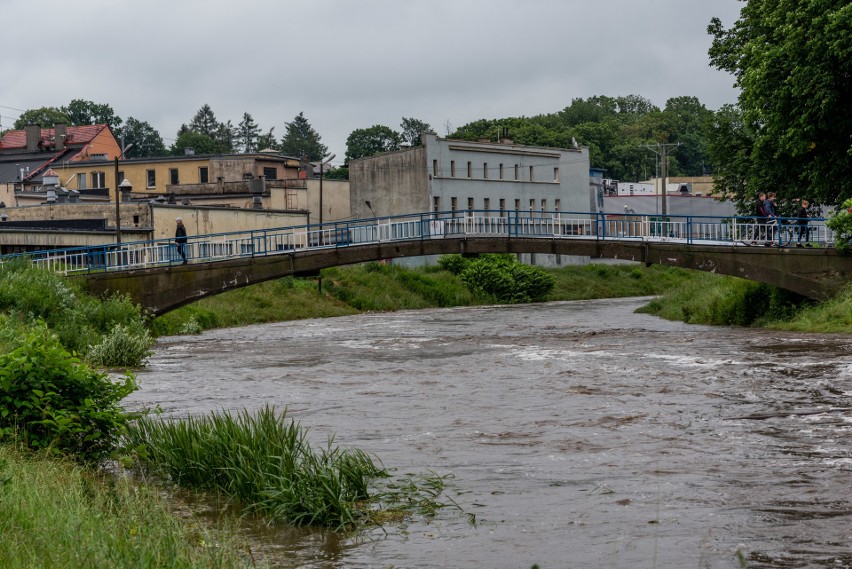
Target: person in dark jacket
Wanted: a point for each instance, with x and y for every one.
(180, 239)
(760, 217)
(802, 221)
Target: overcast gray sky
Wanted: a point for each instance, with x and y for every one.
(349, 64)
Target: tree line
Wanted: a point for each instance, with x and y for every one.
(790, 131)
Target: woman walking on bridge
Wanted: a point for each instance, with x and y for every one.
(180, 239)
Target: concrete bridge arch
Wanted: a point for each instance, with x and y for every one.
(813, 273)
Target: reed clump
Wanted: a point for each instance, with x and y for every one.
(265, 462)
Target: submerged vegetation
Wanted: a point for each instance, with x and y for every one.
(265, 462)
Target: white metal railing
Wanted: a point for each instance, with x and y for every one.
(433, 225)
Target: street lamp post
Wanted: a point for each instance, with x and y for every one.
(322, 164)
(124, 186)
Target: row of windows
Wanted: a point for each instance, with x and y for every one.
(487, 204)
(516, 171)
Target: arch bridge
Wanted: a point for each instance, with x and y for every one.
(153, 274)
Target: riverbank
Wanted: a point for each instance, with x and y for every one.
(689, 296)
(56, 513)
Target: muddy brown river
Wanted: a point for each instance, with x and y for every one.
(579, 434)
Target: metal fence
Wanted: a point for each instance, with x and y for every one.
(727, 231)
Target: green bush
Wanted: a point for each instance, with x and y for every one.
(121, 347)
(501, 277)
(50, 400)
(841, 224)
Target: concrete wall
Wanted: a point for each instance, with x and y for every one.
(207, 220)
(335, 200)
(133, 215)
(395, 184)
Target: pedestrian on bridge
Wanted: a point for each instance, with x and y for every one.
(180, 239)
(803, 224)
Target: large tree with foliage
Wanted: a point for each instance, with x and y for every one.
(301, 140)
(412, 129)
(377, 139)
(792, 60)
(140, 139)
(45, 117)
(82, 112)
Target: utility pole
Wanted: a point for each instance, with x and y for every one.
(660, 150)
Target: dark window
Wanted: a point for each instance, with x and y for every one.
(152, 178)
(270, 173)
(203, 175)
(174, 179)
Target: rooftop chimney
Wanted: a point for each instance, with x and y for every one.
(59, 134)
(33, 132)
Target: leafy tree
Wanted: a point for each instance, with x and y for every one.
(200, 143)
(247, 134)
(301, 140)
(337, 174)
(82, 112)
(141, 139)
(792, 60)
(45, 117)
(412, 129)
(364, 142)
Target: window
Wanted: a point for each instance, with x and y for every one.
(517, 172)
(203, 175)
(502, 206)
(532, 206)
(81, 182)
(120, 176)
(470, 169)
(270, 173)
(485, 171)
(470, 204)
(532, 177)
(152, 178)
(98, 180)
(556, 174)
(435, 168)
(517, 205)
(453, 204)
(486, 205)
(436, 203)
(452, 168)
(174, 179)
(557, 204)
(501, 171)
(543, 206)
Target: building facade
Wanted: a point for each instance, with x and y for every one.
(479, 178)
(447, 175)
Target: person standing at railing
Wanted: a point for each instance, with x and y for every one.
(772, 221)
(760, 218)
(180, 239)
(803, 224)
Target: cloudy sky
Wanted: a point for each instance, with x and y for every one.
(350, 64)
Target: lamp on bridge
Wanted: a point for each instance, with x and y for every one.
(322, 164)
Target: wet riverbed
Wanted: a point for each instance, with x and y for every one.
(580, 434)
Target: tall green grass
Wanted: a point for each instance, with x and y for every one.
(264, 461)
(55, 513)
(80, 322)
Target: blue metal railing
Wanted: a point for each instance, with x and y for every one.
(433, 225)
